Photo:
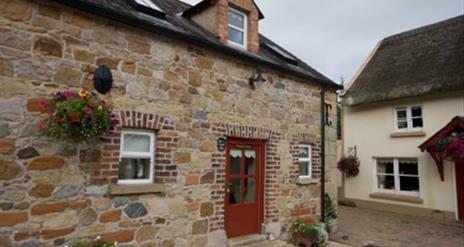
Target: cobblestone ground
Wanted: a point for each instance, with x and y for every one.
(364, 227)
(278, 243)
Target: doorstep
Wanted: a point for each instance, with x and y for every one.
(335, 244)
(246, 240)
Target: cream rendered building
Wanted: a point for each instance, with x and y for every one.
(410, 87)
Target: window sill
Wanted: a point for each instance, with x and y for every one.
(401, 198)
(136, 189)
(307, 181)
(400, 134)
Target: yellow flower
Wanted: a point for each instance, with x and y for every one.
(83, 94)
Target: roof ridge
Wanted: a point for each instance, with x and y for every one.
(423, 29)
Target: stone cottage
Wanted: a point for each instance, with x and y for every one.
(221, 153)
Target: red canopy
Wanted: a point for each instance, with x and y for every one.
(456, 125)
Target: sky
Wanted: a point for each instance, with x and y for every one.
(336, 36)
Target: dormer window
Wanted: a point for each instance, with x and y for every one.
(237, 28)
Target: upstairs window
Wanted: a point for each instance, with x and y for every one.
(408, 118)
(237, 28)
(304, 160)
(136, 161)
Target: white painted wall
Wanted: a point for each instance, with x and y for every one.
(369, 128)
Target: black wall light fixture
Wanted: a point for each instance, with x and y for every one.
(103, 79)
(328, 108)
(257, 77)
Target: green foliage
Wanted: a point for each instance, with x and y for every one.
(330, 211)
(95, 243)
(79, 117)
(317, 233)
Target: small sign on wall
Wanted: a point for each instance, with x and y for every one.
(221, 144)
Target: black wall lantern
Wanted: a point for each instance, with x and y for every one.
(103, 79)
(257, 77)
(328, 107)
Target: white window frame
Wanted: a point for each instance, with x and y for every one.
(396, 175)
(409, 118)
(307, 159)
(144, 155)
(244, 29)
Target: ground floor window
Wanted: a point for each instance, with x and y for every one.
(136, 157)
(304, 161)
(398, 175)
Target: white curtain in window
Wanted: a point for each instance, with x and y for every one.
(136, 143)
(250, 154)
(235, 153)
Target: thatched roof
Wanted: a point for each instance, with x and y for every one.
(423, 61)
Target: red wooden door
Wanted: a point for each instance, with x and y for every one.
(244, 187)
(460, 187)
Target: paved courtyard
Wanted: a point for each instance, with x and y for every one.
(359, 227)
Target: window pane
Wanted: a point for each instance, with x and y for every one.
(130, 168)
(234, 191)
(303, 152)
(409, 184)
(417, 123)
(136, 143)
(250, 189)
(236, 20)
(236, 36)
(401, 114)
(235, 159)
(416, 111)
(402, 124)
(386, 182)
(385, 166)
(250, 156)
(408, 167)
(304, 168)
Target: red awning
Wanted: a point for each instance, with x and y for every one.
(456, 125)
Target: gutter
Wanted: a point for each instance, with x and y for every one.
(322, 154)
(97, 9)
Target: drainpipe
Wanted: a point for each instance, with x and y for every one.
(322, 154)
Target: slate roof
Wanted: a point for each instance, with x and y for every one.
(174, 25)
(423, 61)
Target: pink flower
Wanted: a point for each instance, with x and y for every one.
(88, 111)
(40, 126)
(42, 103)
(67, 94)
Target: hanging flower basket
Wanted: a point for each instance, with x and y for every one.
(349, 166)
(452, 146)
(77, 116)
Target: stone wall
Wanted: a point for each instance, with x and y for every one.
(52, 193)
